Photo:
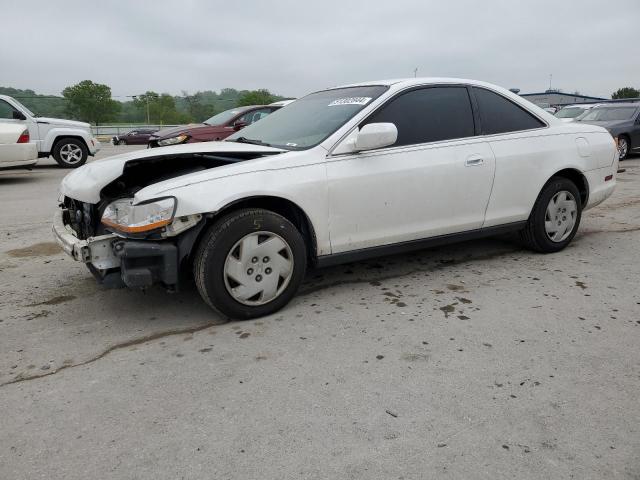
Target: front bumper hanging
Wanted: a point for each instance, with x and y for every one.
(116, 261)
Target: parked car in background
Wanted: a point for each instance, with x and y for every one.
(622, 120)
(338, 176)
(218, 127)
(69, 142)
(16, 151)
(134, 137)
(570, 113)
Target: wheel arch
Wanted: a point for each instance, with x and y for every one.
(578, 178)
(282, 206)
(58, 138)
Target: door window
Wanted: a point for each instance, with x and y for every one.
(428, 115)
(500, 115)
(6, 110)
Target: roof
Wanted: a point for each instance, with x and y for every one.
(408, 81)
(618, 104)
(583, 106)
(281, 103)
(562, 93)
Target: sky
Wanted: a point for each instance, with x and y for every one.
(295, 47)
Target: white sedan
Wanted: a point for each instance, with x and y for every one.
(15, 149)
(338, 176)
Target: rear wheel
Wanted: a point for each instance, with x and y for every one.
(70, 153)
(555, 217)
(250, 263)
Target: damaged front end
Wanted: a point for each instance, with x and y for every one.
(136, 245)
(117, 259)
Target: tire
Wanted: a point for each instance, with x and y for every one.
(623, 146)
(122, 142)
(70, 152)
(538, 234)
(245, 251)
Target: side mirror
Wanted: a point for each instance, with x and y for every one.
(375, 135)
(239, 124)
(18, 115)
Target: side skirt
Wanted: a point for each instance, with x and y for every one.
(396, 248)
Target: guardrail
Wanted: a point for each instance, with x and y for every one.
(110, 130)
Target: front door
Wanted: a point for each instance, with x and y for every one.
(435, 180)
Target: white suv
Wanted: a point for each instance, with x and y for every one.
(69, 142)
(339, 175)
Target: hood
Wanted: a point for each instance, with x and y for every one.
(64, 123)
(173, 131)
(86, 182)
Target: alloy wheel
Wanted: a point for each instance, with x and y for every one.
(623, 147)
(71, 153)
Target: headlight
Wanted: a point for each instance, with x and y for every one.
(123, 216)
(173, 140)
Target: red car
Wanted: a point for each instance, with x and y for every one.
(217, 127)
(134, 137)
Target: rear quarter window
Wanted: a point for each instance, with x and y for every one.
(500, 115)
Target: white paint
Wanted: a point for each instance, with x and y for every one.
(387, 195)
(44, 130)
(13, 154)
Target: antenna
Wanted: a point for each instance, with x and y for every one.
(550, 78)
(415, 72)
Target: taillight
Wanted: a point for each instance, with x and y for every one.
(24, 138)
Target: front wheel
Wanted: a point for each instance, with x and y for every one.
(250, 263)
(555, 217)
(70, 153)
(122, 142)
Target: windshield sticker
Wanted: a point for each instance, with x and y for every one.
(350, 101)
(289, 144)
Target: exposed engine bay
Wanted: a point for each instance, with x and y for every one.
(84, 218)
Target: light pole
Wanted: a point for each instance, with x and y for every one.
(146, 97)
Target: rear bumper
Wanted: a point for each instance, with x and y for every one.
(599, 187)
(18, 155)
(117, 262)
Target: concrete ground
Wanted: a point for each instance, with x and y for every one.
(478, 360)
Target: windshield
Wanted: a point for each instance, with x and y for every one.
(608, 114)
(310, 120)
(25, 108)
(572, 112)
(224, 117)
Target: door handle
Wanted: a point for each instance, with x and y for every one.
(474, 160)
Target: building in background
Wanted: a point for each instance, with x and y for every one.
(558, 99)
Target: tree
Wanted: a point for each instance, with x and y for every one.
(91, 102)
(196, 106)
(161, 107)
(256, 97)
(43, 105)
(626, 92)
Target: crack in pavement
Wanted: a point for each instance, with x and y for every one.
(113, 348)
(443, 264)
(199, 328)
